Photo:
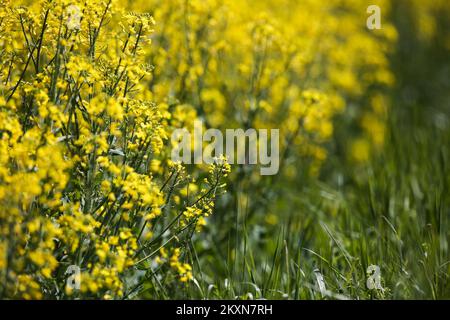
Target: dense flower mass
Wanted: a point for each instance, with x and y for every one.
(286, 64)
(91, 90)
(80, 134)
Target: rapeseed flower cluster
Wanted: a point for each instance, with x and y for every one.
(91, 90)
(288, 65)
(292, 65)
(80, 134)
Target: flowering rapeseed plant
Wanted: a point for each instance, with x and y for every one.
(84, 118)
(285, 64)
(90, 91)
(288, 65)
(80, 135)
